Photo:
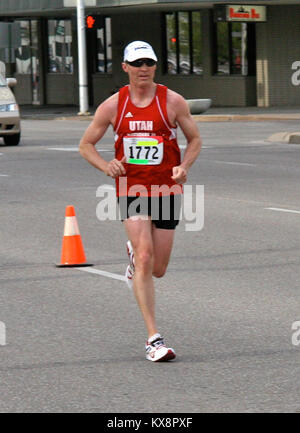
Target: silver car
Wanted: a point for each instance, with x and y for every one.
(10, 125)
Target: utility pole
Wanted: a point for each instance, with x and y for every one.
(82, 63)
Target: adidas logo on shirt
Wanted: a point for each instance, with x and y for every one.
(129, 114)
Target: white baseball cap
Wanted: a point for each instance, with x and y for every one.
(139, 50)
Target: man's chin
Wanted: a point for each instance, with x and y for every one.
(146, 82)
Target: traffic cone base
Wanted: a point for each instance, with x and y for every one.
(74, 266)
(72, 254)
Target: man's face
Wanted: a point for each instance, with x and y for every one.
(140, 72)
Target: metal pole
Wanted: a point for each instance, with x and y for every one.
(82, 64)
(9, 46)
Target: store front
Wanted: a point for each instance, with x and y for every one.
(234, 55)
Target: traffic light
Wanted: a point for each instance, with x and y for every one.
(93, 22)
(90, 22)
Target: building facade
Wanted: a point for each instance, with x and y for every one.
(244, 53)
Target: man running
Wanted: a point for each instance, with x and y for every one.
(148, 172)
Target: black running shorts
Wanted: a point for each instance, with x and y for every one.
(164, 211)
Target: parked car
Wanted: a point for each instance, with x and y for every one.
(10, 124)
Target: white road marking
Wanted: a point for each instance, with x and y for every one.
(110, 187)
(64, 149)
(103, 273)
(282, 210)
(183, 146)
(75, 149)
(230, 162)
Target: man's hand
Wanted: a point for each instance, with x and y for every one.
(179, 174)
(115, 168)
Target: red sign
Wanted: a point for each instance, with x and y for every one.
(253, 14)
(246, 13)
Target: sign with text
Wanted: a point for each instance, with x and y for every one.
(243, 13)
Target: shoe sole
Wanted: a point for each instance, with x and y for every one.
(167, 357)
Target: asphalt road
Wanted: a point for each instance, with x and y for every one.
(75, 340)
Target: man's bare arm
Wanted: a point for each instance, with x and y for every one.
(183, 118)
(104, 117)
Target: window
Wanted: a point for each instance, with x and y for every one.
(60, 58)
(27, 57)
(235, 48)
(23, 53)
(104, 54)
(184, 43)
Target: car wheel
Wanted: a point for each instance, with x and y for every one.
(12, 140)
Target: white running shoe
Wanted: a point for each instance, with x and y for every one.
(130, 268)
(156, 349)
(129, 277)
(130, 254)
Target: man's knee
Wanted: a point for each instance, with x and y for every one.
(159, 272)
(144, 259)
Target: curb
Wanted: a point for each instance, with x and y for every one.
(245, 117)
(196, 117)
(53, 117)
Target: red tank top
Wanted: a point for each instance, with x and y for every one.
(149, 142)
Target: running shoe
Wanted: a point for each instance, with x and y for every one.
(156, 349)
(130, 268)
(129, 277)
(130, 254)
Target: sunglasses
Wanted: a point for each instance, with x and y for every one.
(140, 62)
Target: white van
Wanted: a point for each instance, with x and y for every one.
(10, 124)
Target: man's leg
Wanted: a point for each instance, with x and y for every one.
(163, 231)
(142, 236)
(162, 247)
(152, 250)
(139, 232)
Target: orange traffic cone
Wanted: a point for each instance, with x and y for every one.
(72, 253)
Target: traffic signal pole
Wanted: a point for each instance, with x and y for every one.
(82, 62)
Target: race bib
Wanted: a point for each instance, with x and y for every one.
(143, 150)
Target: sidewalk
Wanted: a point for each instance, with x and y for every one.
(247, 114)
(215, 114)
